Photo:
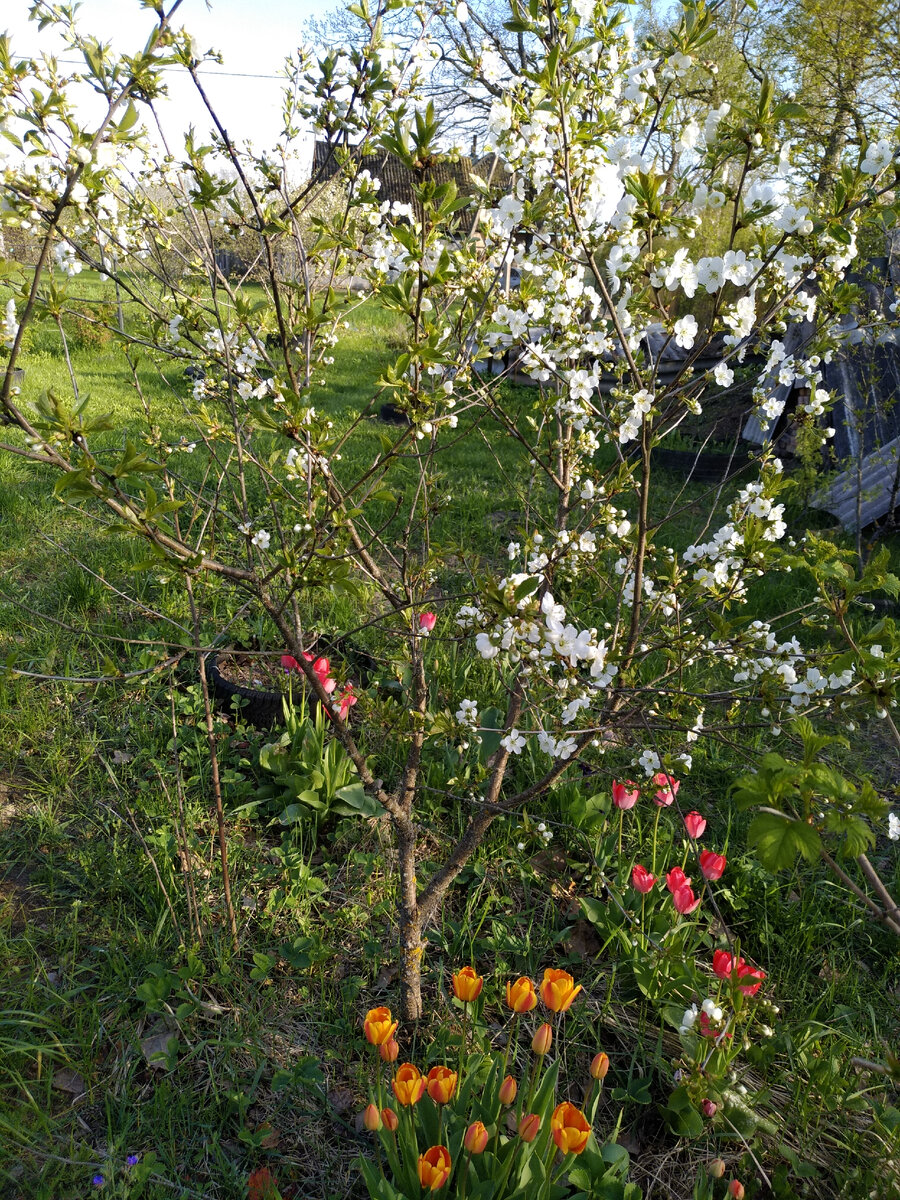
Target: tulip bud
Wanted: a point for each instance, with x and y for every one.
(708, 1108)
(599, 1066)
(716, 1168)
(372, 1118)
(542, 1040)
(476, 1138)
(508, 1089)
(389, 1051)
(736, 1190)
(391, 1120)
(529, 1127)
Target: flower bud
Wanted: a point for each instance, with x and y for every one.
(716, 1168)
(529, 1127)
(599, 1066)
(389, 1050)
(708, 1108)
(372, 1118)
(508, 1089)
(476, 1138)
(391, 1121)
(736, 1190)
(542, 1040)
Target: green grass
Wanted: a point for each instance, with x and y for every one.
(268, 1065)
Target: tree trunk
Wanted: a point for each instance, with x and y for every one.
(411, 945)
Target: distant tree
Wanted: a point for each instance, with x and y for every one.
(842, 59)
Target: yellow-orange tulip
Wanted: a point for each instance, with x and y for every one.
(379, 1026)
(529, 1127)
(476, 1138)
(440, 1084)
(389, 1050)
(372, 1118)
(520, 996)
(599, 1066)
(434, 1167)
(508, 1089)
(390, 1118)
(542, 1040)
(570, 1128)
(558, 990)
(467, 985)
(409, 1085)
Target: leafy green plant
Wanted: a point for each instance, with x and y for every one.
(313, 777)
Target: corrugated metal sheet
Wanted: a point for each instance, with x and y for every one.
(864, 380)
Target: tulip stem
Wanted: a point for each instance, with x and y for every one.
(655, 827)
(462, 1044)
(621, 817)
(465, 1175)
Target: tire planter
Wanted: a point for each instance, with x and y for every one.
(700, 466)
(264, 708)
(260, 707)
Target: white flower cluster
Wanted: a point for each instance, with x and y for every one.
(723, 560)
(10, 326)
(785, 663)
(689, 1019)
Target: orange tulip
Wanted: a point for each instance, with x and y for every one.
(569, 1128)
(476, 1138)
(434, 1168)
(508, 1089)
(599, 1066)
(390, 1118)
(529, 1127)
(409, 1085)
(520, 995)
(542, 1040)
(378, 1026)
(389, 1050)
(467, 985)
(558, 990)
(440, 1084)
(372, 1118)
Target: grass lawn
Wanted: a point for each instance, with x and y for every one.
(121, 1034)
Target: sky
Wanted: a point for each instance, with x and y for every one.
(254, 37)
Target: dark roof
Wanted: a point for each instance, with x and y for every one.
(397, 179)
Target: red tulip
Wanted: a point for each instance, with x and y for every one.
(427, 622)
(695, 825)
(289, 662)
(736, 1190)
(684, 899)
(746, 973)
(642, 879)
(712, 865)
(675, 879)
(625, 795)
(723, 964)
(667, 786)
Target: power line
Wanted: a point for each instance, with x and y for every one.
(77, 62)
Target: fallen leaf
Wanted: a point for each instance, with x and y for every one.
(582, 940)
(157, 1048)
(65, 1080)
(121, 757)
(341, 1100)
(385, 977)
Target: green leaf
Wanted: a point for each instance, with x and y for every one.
(779, 840)
(356, 802)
